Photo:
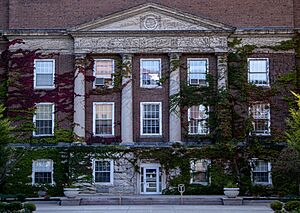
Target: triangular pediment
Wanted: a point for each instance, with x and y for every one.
(151, 17)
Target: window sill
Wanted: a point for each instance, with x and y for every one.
(104, 136)
(44, 88)
(39, 136)
(151, 87)
(103, 184)
(151, 136)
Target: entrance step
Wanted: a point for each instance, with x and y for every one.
(151, 200)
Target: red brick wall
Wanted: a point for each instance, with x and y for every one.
(150, 95)
(297, 13)
(3, 14)
(110, 96)
(26, 14)
(212, 70)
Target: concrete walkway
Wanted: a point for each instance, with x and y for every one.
(45, 208)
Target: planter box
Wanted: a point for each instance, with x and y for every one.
(71, 192)
(231, 192)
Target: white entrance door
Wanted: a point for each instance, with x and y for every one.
(151, 179)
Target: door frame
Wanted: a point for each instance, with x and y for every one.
(145, 166)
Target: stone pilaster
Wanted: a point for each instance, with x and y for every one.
(126, 102)
(174, 120)
(222, 68)
(79, 97)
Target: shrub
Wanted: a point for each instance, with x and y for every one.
(14, 206)
(292, 205)
(261, 190)
(276, 205)
(29, 207)
(3, 206)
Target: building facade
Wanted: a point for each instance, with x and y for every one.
(106, 71)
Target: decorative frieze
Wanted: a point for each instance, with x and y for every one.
(60, 44)
(150, 44)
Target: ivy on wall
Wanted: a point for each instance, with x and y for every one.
(230, 124)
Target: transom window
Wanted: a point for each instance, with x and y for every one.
(197, 71)
(44, 119)
(103, 171)
(258, 71)
(103, 118)
(150, 72)
(261, 172)
(44, 70)
(261, 118)
(151, 118)
(103, 71)
(42, 171)
(198, 119)
(199, 171)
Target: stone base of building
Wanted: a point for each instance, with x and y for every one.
(232, 201)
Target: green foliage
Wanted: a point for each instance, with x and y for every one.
(29, 207)
(276, 205)
(262, 191)
(293, 124)
(292, 205)
(16, 207)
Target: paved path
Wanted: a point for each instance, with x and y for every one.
(45, 208)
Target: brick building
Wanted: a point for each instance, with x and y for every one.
(96, 40)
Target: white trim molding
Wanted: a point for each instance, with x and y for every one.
(52, 117)
(142, 104)
(111, 172)
(35, 73)
(113, 118)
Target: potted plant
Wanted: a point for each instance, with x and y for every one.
(231, 190)
(71, 190)
(42, 191)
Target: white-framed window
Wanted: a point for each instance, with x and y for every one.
(200, 171)
(103, 118)
(103, 171)
(150, 72)
(260, 113)
(103, 72)
(44, 72)
(198, 120)
(261, 172)
(42, 171)
(197, 71)
(151, 118)
(43, 119)
(258, 71)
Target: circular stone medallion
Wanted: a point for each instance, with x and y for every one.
(150, 22)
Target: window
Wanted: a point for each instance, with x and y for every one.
(42, 171)
(103, 171)
(261, 172)
(150, 72)
(44, 70)
(198, 117)
(197, 71)
(258, 71)
(44, 119)
(103, 114)
(261, 118)
(199, 171)
(103, 71)
(151, 118)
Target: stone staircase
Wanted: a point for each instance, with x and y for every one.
(150, 200)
